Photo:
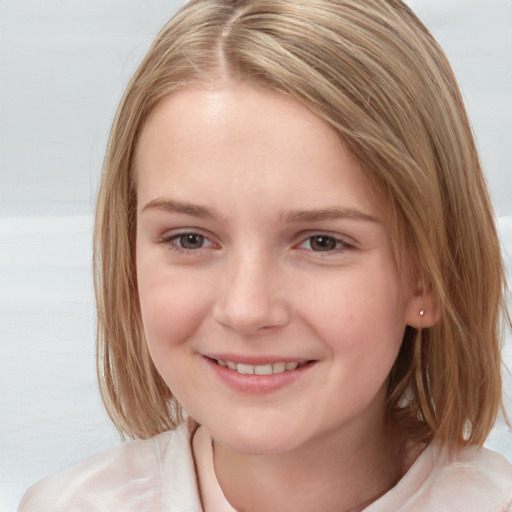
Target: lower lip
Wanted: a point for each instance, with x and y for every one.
(257, 384)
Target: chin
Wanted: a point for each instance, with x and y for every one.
(255, 446)
(256, 439)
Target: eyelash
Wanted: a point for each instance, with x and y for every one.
(340, 245)
(170, 241)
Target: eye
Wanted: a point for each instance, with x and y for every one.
(323, 243)
(189, 241)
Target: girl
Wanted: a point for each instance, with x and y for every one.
(295, 251)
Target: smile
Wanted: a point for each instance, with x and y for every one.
(265, 374)
(260, 369)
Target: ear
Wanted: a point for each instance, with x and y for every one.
(422, 310)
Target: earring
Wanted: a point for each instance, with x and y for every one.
(422, 312)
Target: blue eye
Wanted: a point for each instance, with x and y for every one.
(322, 243)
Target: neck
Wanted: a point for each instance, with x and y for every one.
(338, 472)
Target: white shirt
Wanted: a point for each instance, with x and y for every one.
(159, 475)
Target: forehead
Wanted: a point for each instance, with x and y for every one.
(231, 115)
(223, 142)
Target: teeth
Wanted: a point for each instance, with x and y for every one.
(278, 367)
(245, 369)
(264, 369)
(260, 369)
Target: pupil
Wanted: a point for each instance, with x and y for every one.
(192, 241)
(323, 243)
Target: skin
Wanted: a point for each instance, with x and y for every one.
(255, 177)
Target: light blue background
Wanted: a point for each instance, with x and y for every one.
(64, 66)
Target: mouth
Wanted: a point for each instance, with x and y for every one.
(258, 375)
(261, 369)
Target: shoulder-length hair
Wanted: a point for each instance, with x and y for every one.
(374, 73)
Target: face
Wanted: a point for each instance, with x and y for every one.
(270, 297)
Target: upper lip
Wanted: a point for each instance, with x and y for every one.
(256, 360)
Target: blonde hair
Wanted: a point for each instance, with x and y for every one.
(374, 73)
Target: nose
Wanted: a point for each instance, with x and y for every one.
(251, 297)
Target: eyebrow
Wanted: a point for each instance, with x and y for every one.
(327, 214)
(173, 206)
(314, 215)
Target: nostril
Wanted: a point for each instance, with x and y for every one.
(251, 318)
(250, 299)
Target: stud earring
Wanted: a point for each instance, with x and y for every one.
(422, 312)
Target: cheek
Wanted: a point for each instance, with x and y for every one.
(361, 320)
(172, 300)
(170, 311)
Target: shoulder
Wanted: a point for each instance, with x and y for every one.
(129, 476)
(475, 479)
(478, 465)
(471, 480)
